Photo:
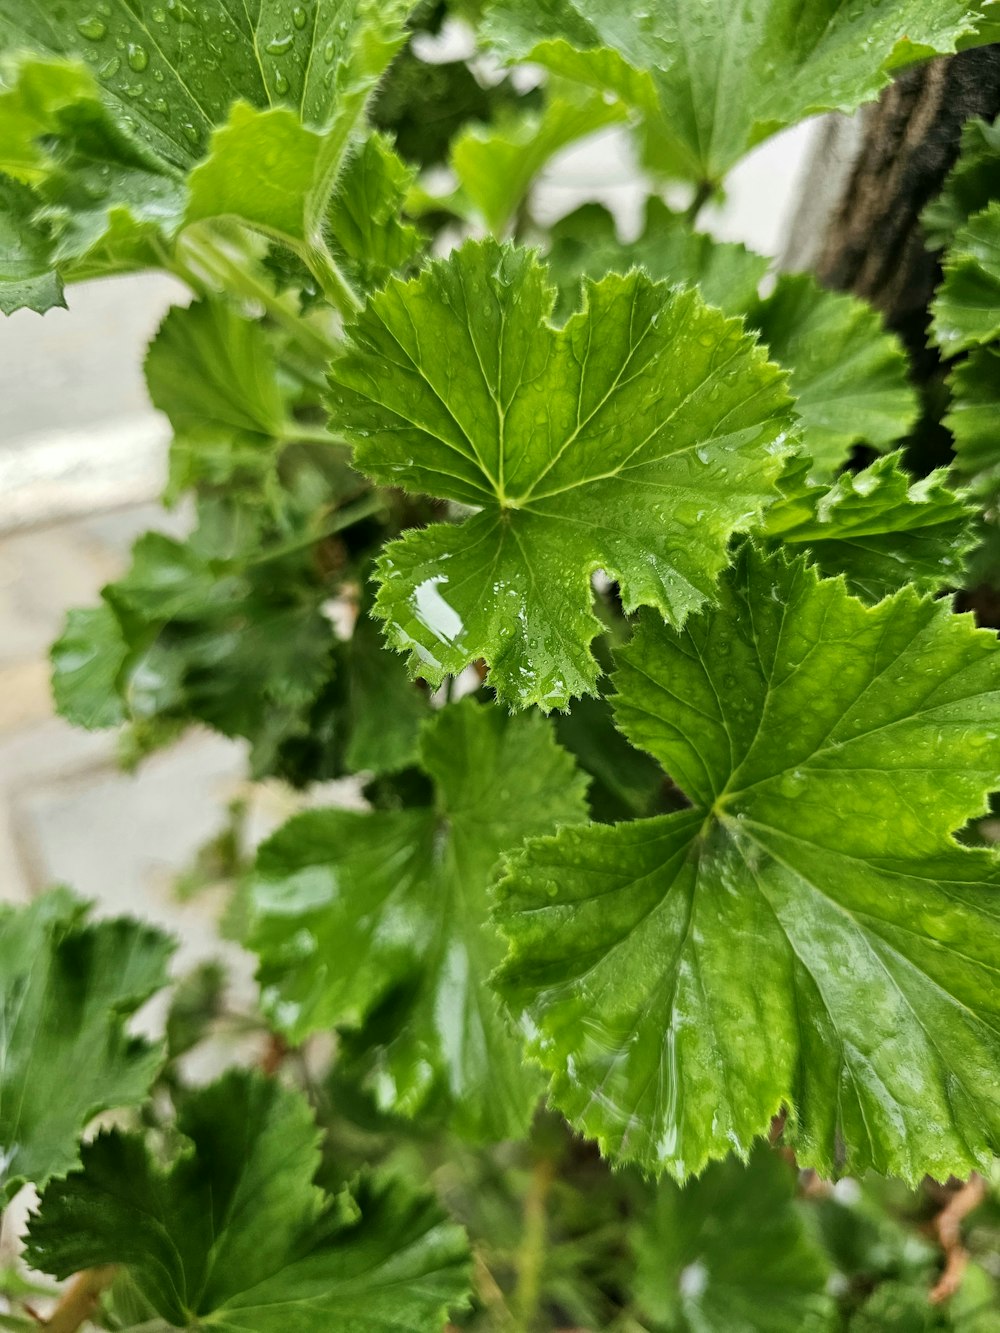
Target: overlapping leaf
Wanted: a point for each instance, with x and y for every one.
(354, 912)
(732, 1251)
(808, 934)
(966, 309)
(253, 109)
(235, 1236)
(973, 417)
(848, 375)
(496, 164)
(880, 528)
(585, 244)
(635, 439)
(971, 185)
(717, 78)
(67, 991)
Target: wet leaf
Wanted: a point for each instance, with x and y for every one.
(809, 934)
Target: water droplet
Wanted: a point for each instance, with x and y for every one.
(93, 28)
(110, 68)
(277, 46)
(329, 51)
(190, 132)
(792, 785)
(299, 17)
(138, 57)
(281, 83)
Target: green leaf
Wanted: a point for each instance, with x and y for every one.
(256, 106)
(366, 228)
(216, 375)
(585, 245)
(972, 184)
(387, 708)
(26, 278)
(966, 309)
(635, 439)
(848, 375)
(352, 911)
(730, 1253)
(67, 991)
(972, 420)
(235, 1236)
(726, 77)
(879, 527)
(809, 934)
(86, 661)
(496, 164)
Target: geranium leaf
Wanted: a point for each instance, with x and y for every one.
(585, 245)
(971, 185)
(848, 375)
(966, 309)
(349, 908)
(635, 439)
(235, 1236)
(972, 420)
(880, 527)
(367, 231)
(496, 164)
(256, 108)
(27, 281)
(725, 77)
(732, 1251)
(67, 991)
(809, 934)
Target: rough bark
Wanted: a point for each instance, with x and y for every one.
(885, 167)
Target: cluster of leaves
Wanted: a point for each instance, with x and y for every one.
(719, 897)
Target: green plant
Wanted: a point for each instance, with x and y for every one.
(730, 911)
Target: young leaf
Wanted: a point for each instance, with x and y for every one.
(732, 1251)
(496, 164)
(26, 278)
(350, 908)
(848, 375)
(880, 528)
(272, 97)
(726, 77)
(215, 375)
(809, 934)
(67, 991)
(635, 439)
(235, 1236)
(966, 309)
(366, 229)
(972, 184)
(972, 420)
(585, 245)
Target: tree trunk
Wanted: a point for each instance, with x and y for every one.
(881, 170)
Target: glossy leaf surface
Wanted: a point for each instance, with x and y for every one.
(585, 244)
(67, 991)
(235, 1236)
(355, 911)
(807, 935)
(722, 77)
(966, 309)
(635, 439)
(880, 528)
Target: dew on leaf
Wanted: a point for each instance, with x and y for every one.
(93, 28)
(277, 46)
(110, 68)
(299, 17)
(138, 57)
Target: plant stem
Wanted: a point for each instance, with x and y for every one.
(203, 255)
(531, 1255)
(325, 269)
(702, 194)
(79, 1301)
